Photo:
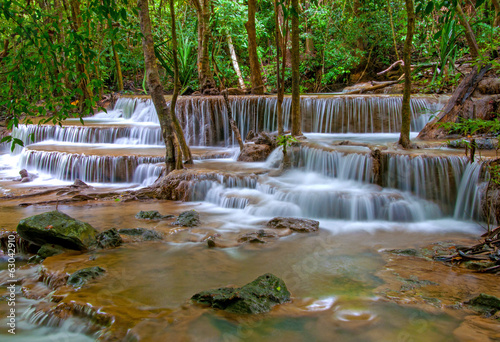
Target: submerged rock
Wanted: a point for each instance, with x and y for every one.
(256, 297)
(295, 224)
(188, 218)
(49, 250)
(485, 303)
(81, 277)
(151, 215)
(57, 228)
(143, 233)
(108, 239)
(260, 236)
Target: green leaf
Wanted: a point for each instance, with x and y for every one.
(429, 8)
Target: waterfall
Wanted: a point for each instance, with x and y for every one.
(469, 196)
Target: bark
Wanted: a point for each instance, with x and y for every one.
(496, 4)
(279, 80)
(234, 59)
(234, 127)
(295, 111)
(469, 34)
(84, 85)
(404, 138)
(155, 86)
(181, 140)
(119, 75)
(455, 104)
(255, 72)
(205, 78)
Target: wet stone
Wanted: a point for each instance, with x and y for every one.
(485, 303)
(407, 251)
(109, 239)
(151, 215)
(256, 297)
(81, 277)
(48, 250)
(257, 237)
(143, 233)
(57, 228)
(188, 218)
(295, 224)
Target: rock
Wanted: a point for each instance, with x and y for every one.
(250, 135)
(22, 246)
(25, 180)
(257, 237)
(254, 153)
(408, 251)
(188, 218)
(485, 303)
(108, 239)
(26, 177)
(80, 184)
(295, 224)
(490, 85)
(35, 259)
(49, 250)
(143, 233)
(81, 277)
(265, 139)
(24, 173)
(481, 144)
(256, 297)
(151, 215)
(57, 228)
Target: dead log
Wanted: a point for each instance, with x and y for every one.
(455, 105)
(379, 85)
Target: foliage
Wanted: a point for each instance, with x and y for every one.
(285, 141)
(467, 127)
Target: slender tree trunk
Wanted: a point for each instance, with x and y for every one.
(404, 138)
(232, 123)
(155, 85)
(177, 126)
(234, 59)
(205, 78)
(119, 75)
(296, 115)
(279, 81)
(255, 72)
(469, 34)
(496, 4)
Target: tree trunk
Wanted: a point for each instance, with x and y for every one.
(296, 115)
(119, 76)
(255, 72)
(155, 86)
(404, 138)
(205, 78)
(236, 66)
(181, 140)
(279, 81)
(232, 123)
(469, 34)
(496, 4)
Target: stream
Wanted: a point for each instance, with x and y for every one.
(344, 283)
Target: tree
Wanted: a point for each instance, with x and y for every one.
(295, 111)
(255, 72)
(155, 85)
(404, 138)
(205, 78)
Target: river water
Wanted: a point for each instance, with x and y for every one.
(344, 284)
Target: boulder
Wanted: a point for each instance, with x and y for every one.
(188, 218)
(108, 239)
(49, 250)
(295, 224)
(142, 233)
(260, 236)
(80, 184)
(55, 227)
(151, 215)
(81, 277)
(485, 303)
(489, 85)
(254, 153)
(256, 297)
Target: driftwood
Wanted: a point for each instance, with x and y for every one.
(375, 86)
(455, 104)
(413, 66)
(488, 250)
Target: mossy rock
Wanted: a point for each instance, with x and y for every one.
(57, 228)
(485, 303)
(188, 218)
(151, 215)
(259, 296)
(81, 277)
(49, 250)
(108, 239)
(143, 233)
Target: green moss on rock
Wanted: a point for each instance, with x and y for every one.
(81, 277)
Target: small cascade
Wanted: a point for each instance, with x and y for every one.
(430, 177)
(467, 206)
(96, 169)
(201, 189)
(136, 135)
(147, 174)
(346, 166)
